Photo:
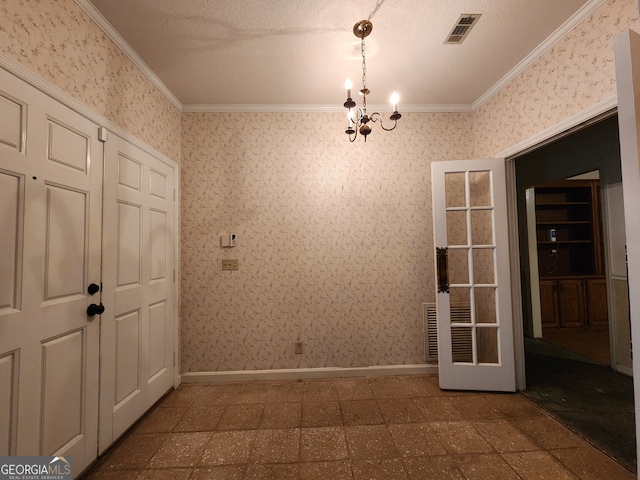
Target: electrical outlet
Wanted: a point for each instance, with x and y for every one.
(299, 347)
(229, 264)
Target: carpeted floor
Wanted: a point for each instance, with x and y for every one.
(588, 397)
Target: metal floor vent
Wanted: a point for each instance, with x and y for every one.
(461, 339)
(462, 28)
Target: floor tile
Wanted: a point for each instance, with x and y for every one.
(180, 450)
(217, 394)
(416, 440)
(361, 412)
(115, 475)
(276, 446)
(503, 436)
(241, 417)
(252, 393)
(401, 427)
(182, 396)
(200, 418)
(477, 407)
(388, 387)
(225, 472)
(356, 389)
(166, 474)
(437, 409)
(440, 468)
(338, 470)
(135, 451)
(513, 405)
(547, 432)
(319, 391)
(321, 414)
(537, 466)
(228, 448)
(282, 415)
(324, 443)
(370, 441)
(161, 419)
(272, 472)
(399, 410)
(285, 392)
(485, 466)
(588, 463)
(379, 469)
(460, 438)
(420, 386)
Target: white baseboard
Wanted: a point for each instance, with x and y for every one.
(625, 370)
(304, 373)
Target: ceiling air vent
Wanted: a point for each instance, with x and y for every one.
(462, 28)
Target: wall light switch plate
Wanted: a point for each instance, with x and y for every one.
(230, 264)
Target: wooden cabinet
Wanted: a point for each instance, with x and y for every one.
(573, 291)
(574, 302)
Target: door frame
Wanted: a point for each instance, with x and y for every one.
(564, 128)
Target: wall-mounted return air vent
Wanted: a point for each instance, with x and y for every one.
(461, 347)
(462, 28)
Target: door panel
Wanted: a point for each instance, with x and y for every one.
(10, 214)
(8, 402)
(51, 207)
(139, 202)
(571, 303)
(475, 346)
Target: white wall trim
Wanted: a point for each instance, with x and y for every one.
(586, 10)
(23, 73)
(599, 108)
(306, 373)
(337, 108)
(122, 44)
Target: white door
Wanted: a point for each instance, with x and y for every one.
(138, 331)
(475, 321)
(50, 220)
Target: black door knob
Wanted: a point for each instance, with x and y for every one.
(93, 288)
(94, 309)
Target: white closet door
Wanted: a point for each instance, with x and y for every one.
(50, 233)
(139, 289)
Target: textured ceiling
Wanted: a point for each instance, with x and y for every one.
(299, 52)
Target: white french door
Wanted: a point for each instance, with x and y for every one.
(473, 301)
(50, 233)
(138, 245)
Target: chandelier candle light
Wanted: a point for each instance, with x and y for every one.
(359, 121)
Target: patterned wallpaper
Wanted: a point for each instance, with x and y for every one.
(575, 74)
(58, 41)
(334, 239)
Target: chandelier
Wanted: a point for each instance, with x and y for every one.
(357, 117)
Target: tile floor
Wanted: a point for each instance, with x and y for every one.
(401, 427)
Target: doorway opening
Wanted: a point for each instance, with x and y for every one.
(576, 319)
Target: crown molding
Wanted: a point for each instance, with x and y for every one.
(122, 44)
(247, 108)
(554, 38)
(586, 10)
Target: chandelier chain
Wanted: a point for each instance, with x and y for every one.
(377, 7)
(364, 75)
